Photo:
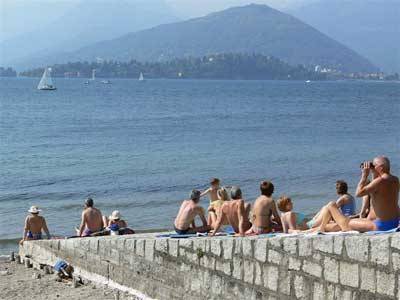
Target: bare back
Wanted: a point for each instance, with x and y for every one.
(385, 197)
(186, 215)
(263, 209)
(93, 219)
(230, 210)
(35, 224)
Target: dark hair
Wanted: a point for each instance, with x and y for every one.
(283, 202)
(341, 187)
(89, 202)
(236, 193)
(214, 181)
(267, 188)
(195, 195)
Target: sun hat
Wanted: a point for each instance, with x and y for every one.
(115, 215)
(34, 210)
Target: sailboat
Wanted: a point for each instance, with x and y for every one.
(93, 75)
(46, 83)
(141, 78)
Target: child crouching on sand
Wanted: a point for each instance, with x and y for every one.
(291, 222)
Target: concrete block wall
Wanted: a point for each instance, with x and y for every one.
(314, 267)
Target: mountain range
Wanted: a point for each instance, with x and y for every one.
(248, 29)
(370, 27)
(83, 23)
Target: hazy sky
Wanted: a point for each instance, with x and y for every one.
(19, 16)
(194, 8)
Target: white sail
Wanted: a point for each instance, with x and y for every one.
(94, 74)
(141, 78)
(46, 83)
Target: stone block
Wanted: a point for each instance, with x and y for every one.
(215, 247)
(115, 257)
(284, 282)
(248, 272)
(121, 243)
(247, 245)
(186, 243)
(343, 294)
(330, 292)
(294, 264)
(191, 256)
(223, 266)
(331, 270)
(319, 291)
(290, 245)
(227, 248)
(130, 245)
(349, 274)
(216, 284)
(94, 246)
(380, 250)
(260, 250)
(385, 283)
(237, 268)
(368, 279)
(395, 241)
(140, 247)
(162, 245)
(258, 274)
(323, 244)
(274, 257)
(173, 247)
(196, 283)
(276, 242)
(271, 276)
(357, 247)
(338, 244)
(301, 287)
(208, 262)
(312, 268)
(305, 248)
(238, 246)
(396, 261)
(200, 244)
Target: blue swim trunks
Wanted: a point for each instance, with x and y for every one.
(386, 225)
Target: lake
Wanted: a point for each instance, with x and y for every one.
(140, 147)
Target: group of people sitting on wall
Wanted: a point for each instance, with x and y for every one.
(93, 223)
(379, 211)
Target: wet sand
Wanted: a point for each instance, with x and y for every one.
(18, 282)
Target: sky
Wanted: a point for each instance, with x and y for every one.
(196, 8)
(20, 16)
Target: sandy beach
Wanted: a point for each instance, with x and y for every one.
(19, 283)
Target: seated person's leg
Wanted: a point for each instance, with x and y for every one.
(362, 225)
(337, 216)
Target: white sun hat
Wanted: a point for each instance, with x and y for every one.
(34, 210)
(115, 215)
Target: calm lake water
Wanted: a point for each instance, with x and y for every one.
(140, 147)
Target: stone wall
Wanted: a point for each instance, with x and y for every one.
(313, 267)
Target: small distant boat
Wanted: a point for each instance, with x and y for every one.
(141, 77)
(308, 81)
(106, 82)
(87, 82)
(46, 83)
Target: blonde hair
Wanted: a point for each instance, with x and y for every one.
(223, 194)
(283, 202)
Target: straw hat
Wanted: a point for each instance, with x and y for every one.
(34, 210)
(115, 215)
